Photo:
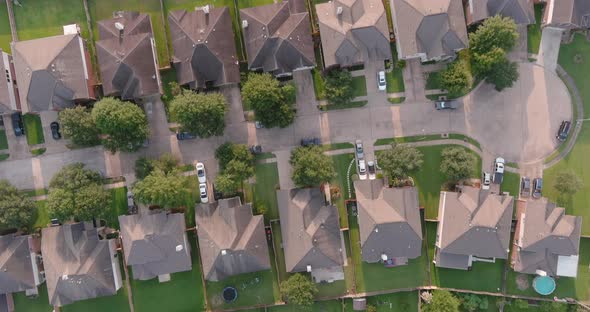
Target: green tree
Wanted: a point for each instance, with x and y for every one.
(568, 183)
(78, 125)
(76, 193)
(271, 102)
(456, 78)
(226, 184)
(123, 125)
(228, 151)
(239, 170)
(371, 308)
(338, 88)
(473, 302)
(298, 290)
(553, 307)
(16, 210)
(517, 305)
(143, 167)
(166, 190)
(399, 161)
(483, 63)
(496, 31)
(503, 75)
(311, 167)
(200, 114)
(442, 301)
(457, 163)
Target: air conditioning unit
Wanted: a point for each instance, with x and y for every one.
(244, 24)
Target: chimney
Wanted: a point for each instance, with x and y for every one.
(339, 11)
(121, 29)
(244, 24)
(206, 9)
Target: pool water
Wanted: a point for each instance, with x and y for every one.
(544, 285)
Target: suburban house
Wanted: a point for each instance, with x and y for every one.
(312, 240)
(155, 245)
(546, 240)
(474, 225)
(569, 15)
(9, 100)
(385, 213)
(429, 30)
(521, 11)
(204, 49)
(277, 40)
(52, 73)
(127, 56)
(351, 30)
(231, 239)
(78, 264)
(20, 264)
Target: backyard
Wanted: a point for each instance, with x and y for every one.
(255, 288)
(318, 306)
(401, 301)
(33, 129)
(39, 303)
(119, 302)
(5, 35)
(44, 18)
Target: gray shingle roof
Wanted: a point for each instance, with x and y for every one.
(51, 72)
(277, 40)
(127, 64)
(231, 239)
(151, 243)
(16, 268)
(204, 49)
(78, 265)
(473, 222)
(573, 14)
(362, 25)
(522, 11)
(386, 213)
(432, 28)
(545, 232)
(310, 230)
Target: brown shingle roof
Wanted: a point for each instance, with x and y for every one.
(16, 266)
(521, 11)
(570, 14)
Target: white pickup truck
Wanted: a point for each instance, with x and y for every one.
(499, 170)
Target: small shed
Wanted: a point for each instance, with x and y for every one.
(359, 304)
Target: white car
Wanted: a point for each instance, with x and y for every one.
(381, 82)
(486, 180)
(203, 191)
(201, 175)
(362, 170)
(372, 169)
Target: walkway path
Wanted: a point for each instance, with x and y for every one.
(549, 48)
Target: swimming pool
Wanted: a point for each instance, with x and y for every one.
(544, 285)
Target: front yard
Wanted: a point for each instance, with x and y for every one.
(33, 129)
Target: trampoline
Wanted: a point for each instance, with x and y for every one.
(230, 294)
(544, 285)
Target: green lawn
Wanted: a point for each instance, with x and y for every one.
(395, 78)
(482, 276)
(341, 163)
(401, 301)
(534, 31)
(277, 239)
(319, 306)
(119, 302)
(318, 84)
(103, 9)
(118, 206)
(5, 35)
(359, 85)
(343, 106)
(433, 81)
(33, 129)
(191, 200)
(253, 289)
(252, 3)
(511, 183)
(337, 146)
(41, 215)
(44, 18)
(428, 137)
(4, 156)
(430, 180)
(3, 140)
(36, 304)
(167, 77)
(183, 293)
(578, 288)
(267, 182)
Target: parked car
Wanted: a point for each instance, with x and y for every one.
(203, 191)
(486, 179)
(17, 124)
(201, 175)
(131, 207)
(55, 130)
(537, 187)
(564, 130)
(358, 146)
(447, 104)
(525, 186)
(258, 125)
(184, 135)
(499, 170)
(381, 82)
(256, 149)
(310, 141)
(362, 169)
(372, 170)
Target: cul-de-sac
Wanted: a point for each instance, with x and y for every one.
(295, 155)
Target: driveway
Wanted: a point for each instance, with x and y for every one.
(52, 146)
(549, 50)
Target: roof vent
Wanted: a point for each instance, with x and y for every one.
(244, 23)
(309, 268)
(339, 10)
(206, 9)
(179, 248)
(119, 26)
(224, 252)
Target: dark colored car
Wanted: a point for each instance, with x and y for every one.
(564, 130)
(447, 104)
(17, 124)
(55, 130)
(537, 187)
(184, 136)
(256, 149)
(310, 141)
(525, 186)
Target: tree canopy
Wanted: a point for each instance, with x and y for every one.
(338, 88)
(399, 161)
(311, 167)
(165, 189)
(298, 290)
(123, 125)
(200, 114)
(229, 151)
(272, 104)
(76, 193)
(456, 78)
(78, 125)
(442, 301)
(236, 164)
(503, 74)
(16, 210)
(457, 163)
(568, 183)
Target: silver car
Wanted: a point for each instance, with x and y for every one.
(203, 191)
(358, 148)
